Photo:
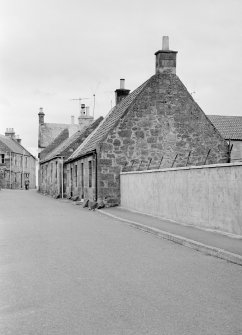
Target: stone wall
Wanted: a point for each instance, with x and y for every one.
(163, 126)
(81, 184)
(50, 176)
(207, 196)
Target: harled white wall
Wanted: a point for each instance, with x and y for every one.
(207, 196)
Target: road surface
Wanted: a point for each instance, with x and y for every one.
(66, 270)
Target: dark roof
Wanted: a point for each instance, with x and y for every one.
(230, 127)
(71, 143)
(14, 146)
(107, 124)
(57, 141)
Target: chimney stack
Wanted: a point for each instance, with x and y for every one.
(10, 133)
(165, 58)
(121, 92)
(83, 110)
(18, 139)
(41, 116)
(72, 119)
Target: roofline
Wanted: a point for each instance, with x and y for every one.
(89, 153)
(20, 145)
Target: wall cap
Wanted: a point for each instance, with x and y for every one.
(208, 166)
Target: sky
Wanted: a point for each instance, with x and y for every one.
(53, 51)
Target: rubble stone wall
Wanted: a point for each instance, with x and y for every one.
(163, 127)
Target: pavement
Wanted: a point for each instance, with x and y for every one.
(211, 242)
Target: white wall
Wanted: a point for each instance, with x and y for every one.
(206, 196)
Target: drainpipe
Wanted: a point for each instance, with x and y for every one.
(62, 178)
(10, 170)
(96, 176)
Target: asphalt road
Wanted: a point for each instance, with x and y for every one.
(66, 270)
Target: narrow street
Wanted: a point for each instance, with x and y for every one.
(66, 270)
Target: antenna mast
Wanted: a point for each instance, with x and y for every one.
(80, 101)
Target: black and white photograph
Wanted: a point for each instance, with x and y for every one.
(121, 167)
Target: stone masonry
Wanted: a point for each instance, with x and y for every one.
(162, 124)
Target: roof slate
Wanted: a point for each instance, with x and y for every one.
(14, 146)
(107, 124)
(63, 149)
(230, 127)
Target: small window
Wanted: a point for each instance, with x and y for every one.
(90, 173)
(56, 169)
(2, 158)
(51, 172)
(26, 162)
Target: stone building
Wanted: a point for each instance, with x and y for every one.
(16, 163)
(51, 173)
(157, 125)
(49, 131)
(230, 127)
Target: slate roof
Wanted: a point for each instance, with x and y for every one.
(14, 146)
(63, 149)
(49, 131)
(230, 127)
(57, 141)
(107, 124)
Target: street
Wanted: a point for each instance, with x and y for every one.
(68, 270)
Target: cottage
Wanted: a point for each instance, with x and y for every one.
(16, 163)
(51, 173)
(230, 127)
(157, 125)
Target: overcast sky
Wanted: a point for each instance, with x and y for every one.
(55, 50)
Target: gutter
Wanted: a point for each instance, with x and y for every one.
(81, 156)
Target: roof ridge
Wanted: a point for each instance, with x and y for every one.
(109, 121)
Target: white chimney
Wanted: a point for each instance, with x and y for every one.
(122, 84)
(72, 119)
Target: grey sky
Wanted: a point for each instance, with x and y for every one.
(53, 51)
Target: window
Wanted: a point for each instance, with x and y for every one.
(56, 169)
(26, 162)
(2, 159)
(76, 174)
(21, 161)
(51, 172)
(90, 173)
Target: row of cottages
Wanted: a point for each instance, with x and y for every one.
(158, 125)
(16, 163)
(51, 171)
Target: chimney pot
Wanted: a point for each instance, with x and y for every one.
(41, 116)
(122, 84)
(165, 43)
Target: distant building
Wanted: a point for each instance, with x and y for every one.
(157, 125)
(230, 127)
(49, 131)
(16, 163)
